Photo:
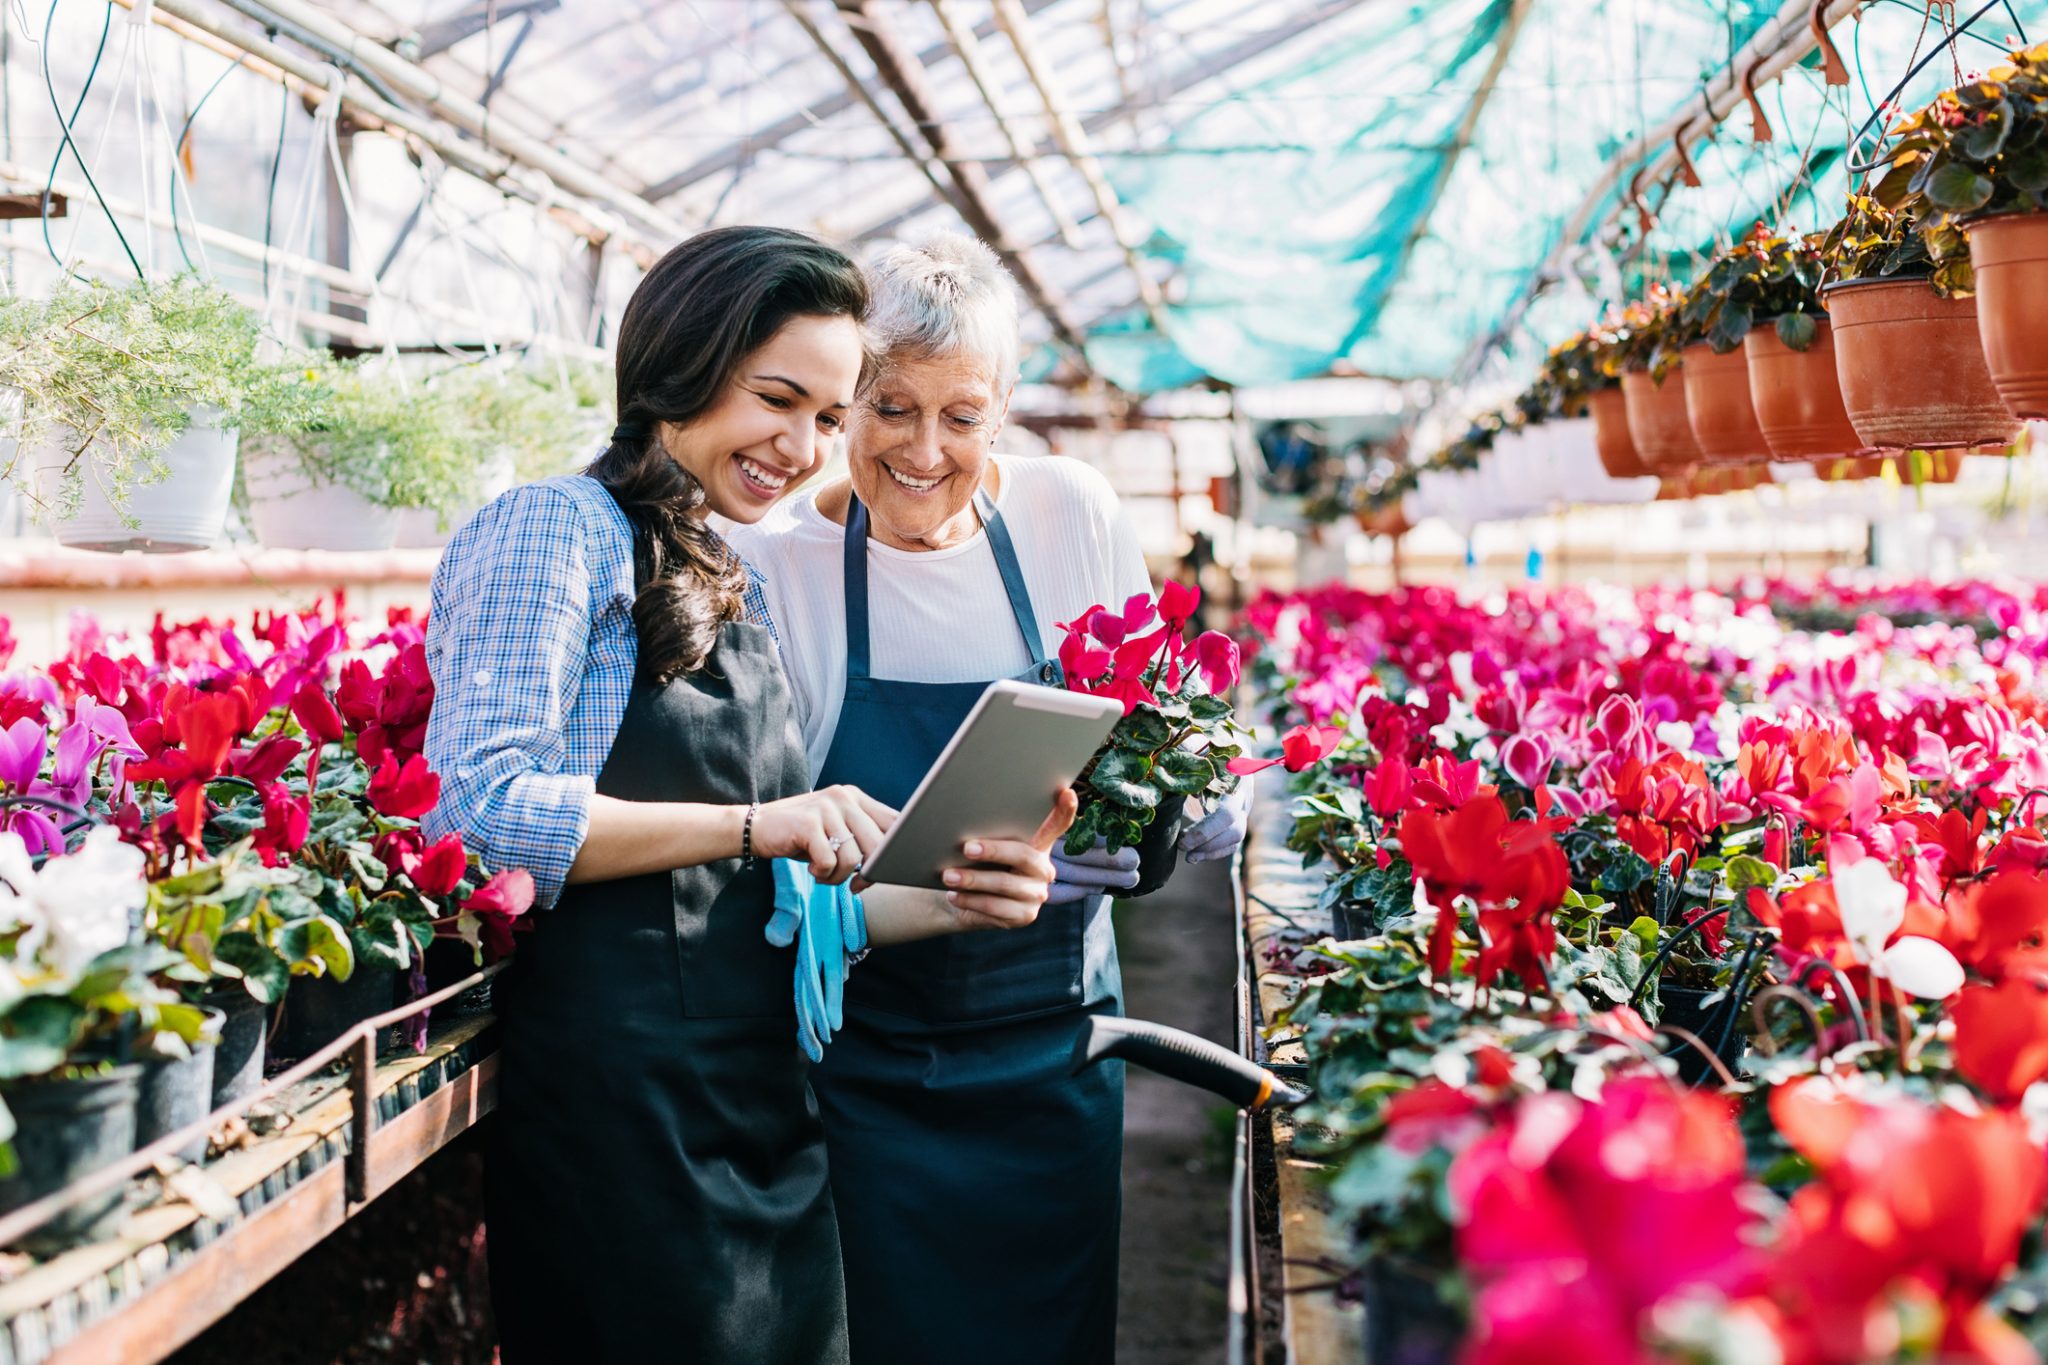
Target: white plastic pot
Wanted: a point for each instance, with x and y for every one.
(419, 527)
(289, 511)
(187, 510)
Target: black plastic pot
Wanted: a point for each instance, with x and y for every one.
(1159, 849)
(1406, 1321)
(1686, 1007)
(238, 1061)
(1352, 920)
(175, 1092)
(319, 1009)
(450, 960)
(66, 1130)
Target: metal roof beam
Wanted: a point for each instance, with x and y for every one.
(1250, 48)
(966, 191)
(1073, 141)
(1023, 146)
(737, 153)
(899, 69)
(443, 34)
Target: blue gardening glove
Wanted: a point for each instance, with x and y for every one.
(830, 930)
(1218, 834)
(1088, 874)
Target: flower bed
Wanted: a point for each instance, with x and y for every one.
(1688, 999)
(215, 822)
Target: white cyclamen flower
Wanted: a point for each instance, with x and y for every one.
(1873, 906)
(87, 898)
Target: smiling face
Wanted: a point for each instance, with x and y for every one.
(918, 447)
(767, 433)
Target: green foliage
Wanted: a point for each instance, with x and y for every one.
(1874, 241)
(1761, 279)
(107, 377)
(1981, 148)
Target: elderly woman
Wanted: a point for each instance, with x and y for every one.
(953, 1128)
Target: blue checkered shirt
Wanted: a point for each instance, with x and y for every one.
(531, 644)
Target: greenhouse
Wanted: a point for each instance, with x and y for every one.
(1041, 682)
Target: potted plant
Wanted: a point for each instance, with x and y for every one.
(1647, 346)
(1178, 736)
(1975, 162)
(336, 452)
(1584, 374)
(81, 995)
(505, 422)
(1757, 277)
(128, 400)
(1907, 352)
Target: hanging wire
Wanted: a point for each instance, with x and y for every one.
(64, 127)
(177, 150)
(284, 110)
(1856, 139)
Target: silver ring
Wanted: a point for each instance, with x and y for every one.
(840, 841)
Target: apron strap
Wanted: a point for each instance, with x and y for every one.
(856, 572)
(1013, 575)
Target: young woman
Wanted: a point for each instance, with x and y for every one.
(610, 714)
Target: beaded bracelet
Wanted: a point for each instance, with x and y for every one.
(747, 834)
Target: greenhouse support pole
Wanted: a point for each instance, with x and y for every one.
(497, 130)
(585, 216)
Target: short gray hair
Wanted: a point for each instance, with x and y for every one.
(949, 295)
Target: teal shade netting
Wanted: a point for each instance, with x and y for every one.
(1327, 215)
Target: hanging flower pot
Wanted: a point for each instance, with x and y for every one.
(1851, 468)
(1717, 403)
(187, 509)
(1383, 521)
(290, 509)
(1912, 368)
(2010, 255)
(1611, 430)
(1930, 466)
(1658, 420)
(1798, 396)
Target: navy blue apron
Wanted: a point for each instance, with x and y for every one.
(977, 1183)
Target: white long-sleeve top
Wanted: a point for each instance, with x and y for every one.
(940, 615)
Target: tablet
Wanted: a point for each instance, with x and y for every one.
(996, 779)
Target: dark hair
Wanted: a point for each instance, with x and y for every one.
(702, 309)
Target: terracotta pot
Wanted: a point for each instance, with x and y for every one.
(1383, 521)
(1657, 420)
(2010, 255)
(1912, 368)
(1798, 396)
(1931, 466)
(1717, 403)
(1674, 487)
(1851, 468)
(1611, 434)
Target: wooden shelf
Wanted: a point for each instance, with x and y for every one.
(173, 1269)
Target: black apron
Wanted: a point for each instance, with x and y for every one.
(977, 1182)
(655, 1183)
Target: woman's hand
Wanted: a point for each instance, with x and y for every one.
(833, 830)
(1008, 895)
